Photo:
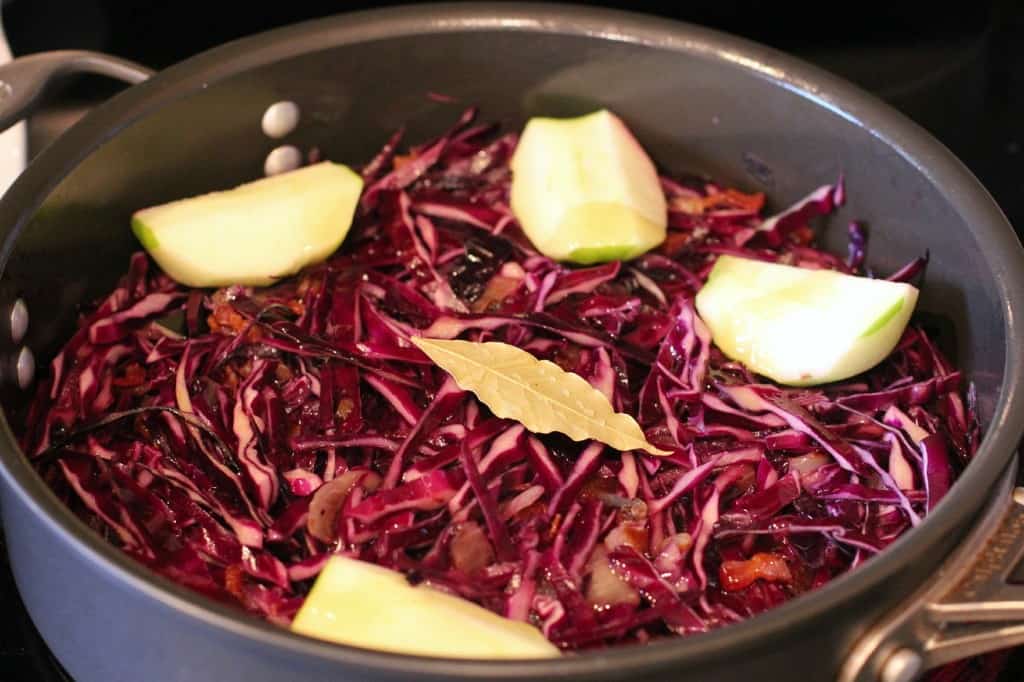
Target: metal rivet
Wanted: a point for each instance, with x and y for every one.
(19, 320)
(25, 367)
(280, 118)
(281, 160)
(904, 665)
(1018, 495)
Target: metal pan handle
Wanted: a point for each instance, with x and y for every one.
(970, 607)
(24, 81)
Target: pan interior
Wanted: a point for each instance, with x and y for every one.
(692, 112)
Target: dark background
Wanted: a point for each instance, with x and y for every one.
(957, 69)
(163, 32)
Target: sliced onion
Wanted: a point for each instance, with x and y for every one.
(805, 464)
(470, 548)
(672, 554)
(322, 522)
(497, 290)
(605, 588)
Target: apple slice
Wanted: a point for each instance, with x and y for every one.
(365, 605)
(584, 190)
(802, 327)
(253, 234)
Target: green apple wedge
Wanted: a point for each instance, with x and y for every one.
(802, 327)
(361, 604)
(256, 233)
(584, 190)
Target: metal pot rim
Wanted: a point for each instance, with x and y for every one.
(999, 246)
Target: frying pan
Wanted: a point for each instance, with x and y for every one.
(699, 101)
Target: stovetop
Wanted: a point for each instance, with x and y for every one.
(960, 74)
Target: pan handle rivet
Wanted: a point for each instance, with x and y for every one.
(903, 665)
(18, 320)
(280, 119)
(24, 368)
(282, 159)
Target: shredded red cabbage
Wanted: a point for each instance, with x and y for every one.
(233, 440)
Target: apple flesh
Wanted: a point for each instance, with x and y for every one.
(802, 327)
(361, 604)
(584, 190)
(253, 234)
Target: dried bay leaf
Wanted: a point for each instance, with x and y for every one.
(538, 394)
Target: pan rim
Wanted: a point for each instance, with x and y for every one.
(1000, 249)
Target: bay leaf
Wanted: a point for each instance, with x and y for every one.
(538, 394)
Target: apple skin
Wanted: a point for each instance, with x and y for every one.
(584, 190)
(361, 604)
(802, 327)
(256, 233)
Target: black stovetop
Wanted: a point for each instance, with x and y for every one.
(958, 73)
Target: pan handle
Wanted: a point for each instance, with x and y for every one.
(972, 605)
(24, 81)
